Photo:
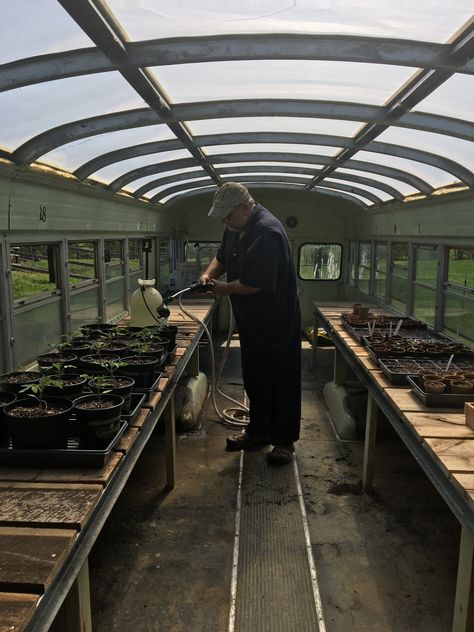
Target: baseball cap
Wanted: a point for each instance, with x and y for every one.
(227, 197)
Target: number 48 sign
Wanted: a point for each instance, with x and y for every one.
(42, 213)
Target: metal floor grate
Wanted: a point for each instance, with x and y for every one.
(274, 589)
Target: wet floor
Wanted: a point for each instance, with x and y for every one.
(385, 562)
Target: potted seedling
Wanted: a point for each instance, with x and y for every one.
(142, 368)
(56, 357)
(98, 414)
(117, 384)
(72, 384)
(157, 350)
(93, 362)
(38, 420)
(5, 398)
(13, 382)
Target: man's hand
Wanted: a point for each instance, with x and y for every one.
(204, 278)
(221, 288)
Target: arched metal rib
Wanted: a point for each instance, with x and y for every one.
(434, 160)
(210, 189)
(55, 137)
(266, 180)
(177, 177)
(188, 50)
(360, 165)
(153, 184)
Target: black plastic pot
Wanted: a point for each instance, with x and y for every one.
(13, 382)
(141, 368)
(42, 431)
(69, 391)
(166, 331)
(92, 362)
(46, 360)
(124, 390)
(5, 398)
(98, 425)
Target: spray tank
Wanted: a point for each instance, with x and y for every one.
(146, 305)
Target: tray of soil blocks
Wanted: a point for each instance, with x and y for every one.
(398, 347)
(75, 455)
(381, 321)
(397, 371)
(454, 398)
(136, 401)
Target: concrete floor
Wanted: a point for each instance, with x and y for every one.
(385, 562)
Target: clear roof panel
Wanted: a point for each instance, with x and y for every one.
(198, 181)
(281, 79)
(274, 124)
(461, 151)
(111, 172)
(77, 153)
(432, 21)
(26, 112)
(35, 28)
(271, 147)
(405, 189)
(453, 98)
(356, 195)
(136, 184)
(381, 194)
(264, 174)
(434, 176)
(279, 163)
(173, 195)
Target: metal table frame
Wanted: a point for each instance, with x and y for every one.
(460, 505)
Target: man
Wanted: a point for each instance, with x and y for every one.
(261, 282)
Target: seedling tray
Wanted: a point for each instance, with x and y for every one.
(441, 400)
(136, 401)
(73, 456)
(171, 354)
(397, 371)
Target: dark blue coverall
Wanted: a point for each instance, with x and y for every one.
(269, 324)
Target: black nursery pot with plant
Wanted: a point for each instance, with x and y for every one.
(99, 418)
(93, 363)
(141, 368)
(166, 331)
(35, 424)
(13, 382)
(46, 360)
(119, 385)
(73, 386)
(5, 398)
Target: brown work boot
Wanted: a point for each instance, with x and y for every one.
(244, 440)
(281, 454)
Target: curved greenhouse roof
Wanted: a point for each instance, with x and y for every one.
(368, 101)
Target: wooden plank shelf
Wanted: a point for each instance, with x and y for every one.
(16, 611)
(47, 504)
(62, 475)
(141, 418)
(30, 558)
(127, 440)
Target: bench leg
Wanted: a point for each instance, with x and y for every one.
(75, 613)
(340, 368)
(314, 342)
(170, 443)
(369, 445)
(193, 363)
(463, 619)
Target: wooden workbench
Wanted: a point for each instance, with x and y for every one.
(438, 438)
(50, 519)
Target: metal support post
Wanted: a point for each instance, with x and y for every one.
(463, 619)
(170, 443)
(369, 445)
(314, 340)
